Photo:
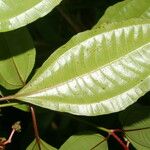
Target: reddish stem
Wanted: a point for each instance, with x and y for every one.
(10, 137)
(119, 140)
(118, 130)
(35, 127)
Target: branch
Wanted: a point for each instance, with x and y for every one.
(36, 132)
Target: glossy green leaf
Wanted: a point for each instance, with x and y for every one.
(17, 13)
(126, 10)
(17, 57)
(97, 72)
(43, 144)
(85, 142)
(137, 117)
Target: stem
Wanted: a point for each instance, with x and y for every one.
(104, 129)
(36, 132)
(7, 98)
(8, 105)
(127, 141)
(10, 137)
(119, 140)
(110, 132)
(15, 127)
(118, 130)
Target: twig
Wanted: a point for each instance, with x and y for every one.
(119, 140)
(6, 98)
(8, 105)
(36, 132)
(15, 127)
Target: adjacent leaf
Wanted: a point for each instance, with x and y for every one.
(85, 142)
(17, 57)
(137, 117)
(138, 146)
(15, 13)
(44, 146)
(22, 107)
(126, 10)
(97, 72)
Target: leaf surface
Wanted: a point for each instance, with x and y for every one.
(125, 10)
(17, 57)
(22, 107)
(137, 117)
(17, 13)
(85, 142)
(97, 72)
(43, 144)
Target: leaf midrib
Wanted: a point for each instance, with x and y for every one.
(59, 84)
(13, 61)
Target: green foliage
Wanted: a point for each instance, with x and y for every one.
(18, 56)
(92, 72)
(44, 146)
(85, 142)
(15, 14)
(99, 71)
(136, 117)
(126, 10)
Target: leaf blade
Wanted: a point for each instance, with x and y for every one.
(16, 67)
(15, 14)
(85, 142)
(74, 80)
(136, 120)
(125, 10)
(43, 144)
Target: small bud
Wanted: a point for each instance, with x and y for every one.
(16, 126)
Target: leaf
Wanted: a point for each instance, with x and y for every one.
(15, 14)
(85, 142)
(17, 57)
(138, 146)
(43, 144)
(137, 117)
(126, 10)
(97, 72)
(22, 107)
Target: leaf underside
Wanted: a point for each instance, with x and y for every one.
(43, 144)
(17, 57)
(125, 10)
(15, 13)
(85, 142)
(137, 117)
(97, 72)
